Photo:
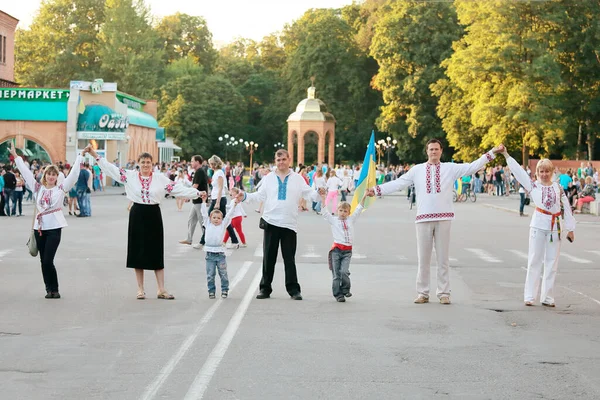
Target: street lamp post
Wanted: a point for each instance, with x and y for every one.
(385, 146)
(340, 145)
(251, 147)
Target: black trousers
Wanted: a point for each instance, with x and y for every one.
(47, 244)
(223, 208)
(272, 237)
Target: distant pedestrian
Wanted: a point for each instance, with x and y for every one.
(199, 182)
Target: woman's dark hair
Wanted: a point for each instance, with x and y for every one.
(145, 155)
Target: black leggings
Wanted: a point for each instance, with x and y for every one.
(223, 208)
(47, 244)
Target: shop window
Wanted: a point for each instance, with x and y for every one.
(98, 144)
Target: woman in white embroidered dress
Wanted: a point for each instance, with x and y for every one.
(48, 198)
(145, 239)
(544, 229)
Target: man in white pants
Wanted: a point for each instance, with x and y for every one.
(201, 183)
(434, 183)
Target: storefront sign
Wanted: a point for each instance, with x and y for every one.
(34, 94)
(98, 118)
(102, 135)
(131, 102)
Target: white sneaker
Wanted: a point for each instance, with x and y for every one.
(198, 246)
(233, 246)
(243, 245)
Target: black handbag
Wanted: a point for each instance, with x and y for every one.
(262, 224)
(527, 201)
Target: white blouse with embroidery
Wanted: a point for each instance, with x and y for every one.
(545, 197)
(433, 186)
(146, 190)
(49, 202)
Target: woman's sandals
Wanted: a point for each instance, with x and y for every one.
(165, 296)
(141, 296)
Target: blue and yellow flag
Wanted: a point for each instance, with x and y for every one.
(367, 177)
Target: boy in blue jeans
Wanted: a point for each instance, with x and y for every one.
(215, 251)
(342, 228)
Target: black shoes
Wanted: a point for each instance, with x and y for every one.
(52, 295)
(296, 296)
(211, 296)
(341, 299)
(348, 294)
(224, 294)
(263, 295)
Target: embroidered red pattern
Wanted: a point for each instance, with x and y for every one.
(435, 216)
(428, 177)
(346, 231)
(145, 182)
(123, 175)
(378, 190)
(169, 187)
(438, 179)
(548, 196)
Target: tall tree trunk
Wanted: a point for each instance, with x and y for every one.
(579, 142)
(591, 141)
(525, 155)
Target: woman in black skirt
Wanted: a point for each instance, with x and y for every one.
(145, 242)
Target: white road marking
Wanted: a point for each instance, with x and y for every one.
(581, 294)
(259, 251)
(358, 256)
(5, 252)
(402, 257)
(484, 255)
(166, 371)
(311, 253)
(452, 259)
(575, 259)
(596, 252)
(520, 254)
(200, 384)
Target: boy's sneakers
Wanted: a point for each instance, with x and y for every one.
(211, 296)
(341, 299)
(224, 294)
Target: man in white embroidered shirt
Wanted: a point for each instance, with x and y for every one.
(434, 182)
(281, 191)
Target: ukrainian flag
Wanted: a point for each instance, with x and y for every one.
(367, 177)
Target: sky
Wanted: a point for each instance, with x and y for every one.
(227, 19)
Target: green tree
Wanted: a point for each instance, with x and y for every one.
(321, 44)
(186, 36)
(198, 111)
(411, 39)
(504, 83)
(130, 50)
(61, 44)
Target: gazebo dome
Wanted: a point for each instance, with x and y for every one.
(311, 109)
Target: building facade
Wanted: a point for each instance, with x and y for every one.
(8, 25)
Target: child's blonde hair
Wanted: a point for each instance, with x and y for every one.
(544, 164)
(216, 211)
(344, 206)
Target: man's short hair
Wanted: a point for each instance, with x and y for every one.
(282, 152)
(197, 158)
(431, 141)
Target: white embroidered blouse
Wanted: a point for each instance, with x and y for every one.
(49, 202)
(146, 190)
(546, 198)
(433, 186)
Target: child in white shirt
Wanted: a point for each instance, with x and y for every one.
(215, 228)
(342, 228)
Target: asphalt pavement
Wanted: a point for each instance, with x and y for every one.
(99, 342)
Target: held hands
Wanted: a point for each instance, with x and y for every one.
(370, 192)
(499, 149)
(203, 196)
(90, 149)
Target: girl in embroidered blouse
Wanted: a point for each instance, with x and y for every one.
(49, 221)
(545, 228)
(145, 240)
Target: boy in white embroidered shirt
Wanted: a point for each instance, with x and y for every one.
(342, 228)
(215, 252)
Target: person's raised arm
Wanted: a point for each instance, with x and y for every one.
(116, 173)
(520, 174)
(25, 172)
(71, 179)
(403, 182)
(468, 169)
(179, 189)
